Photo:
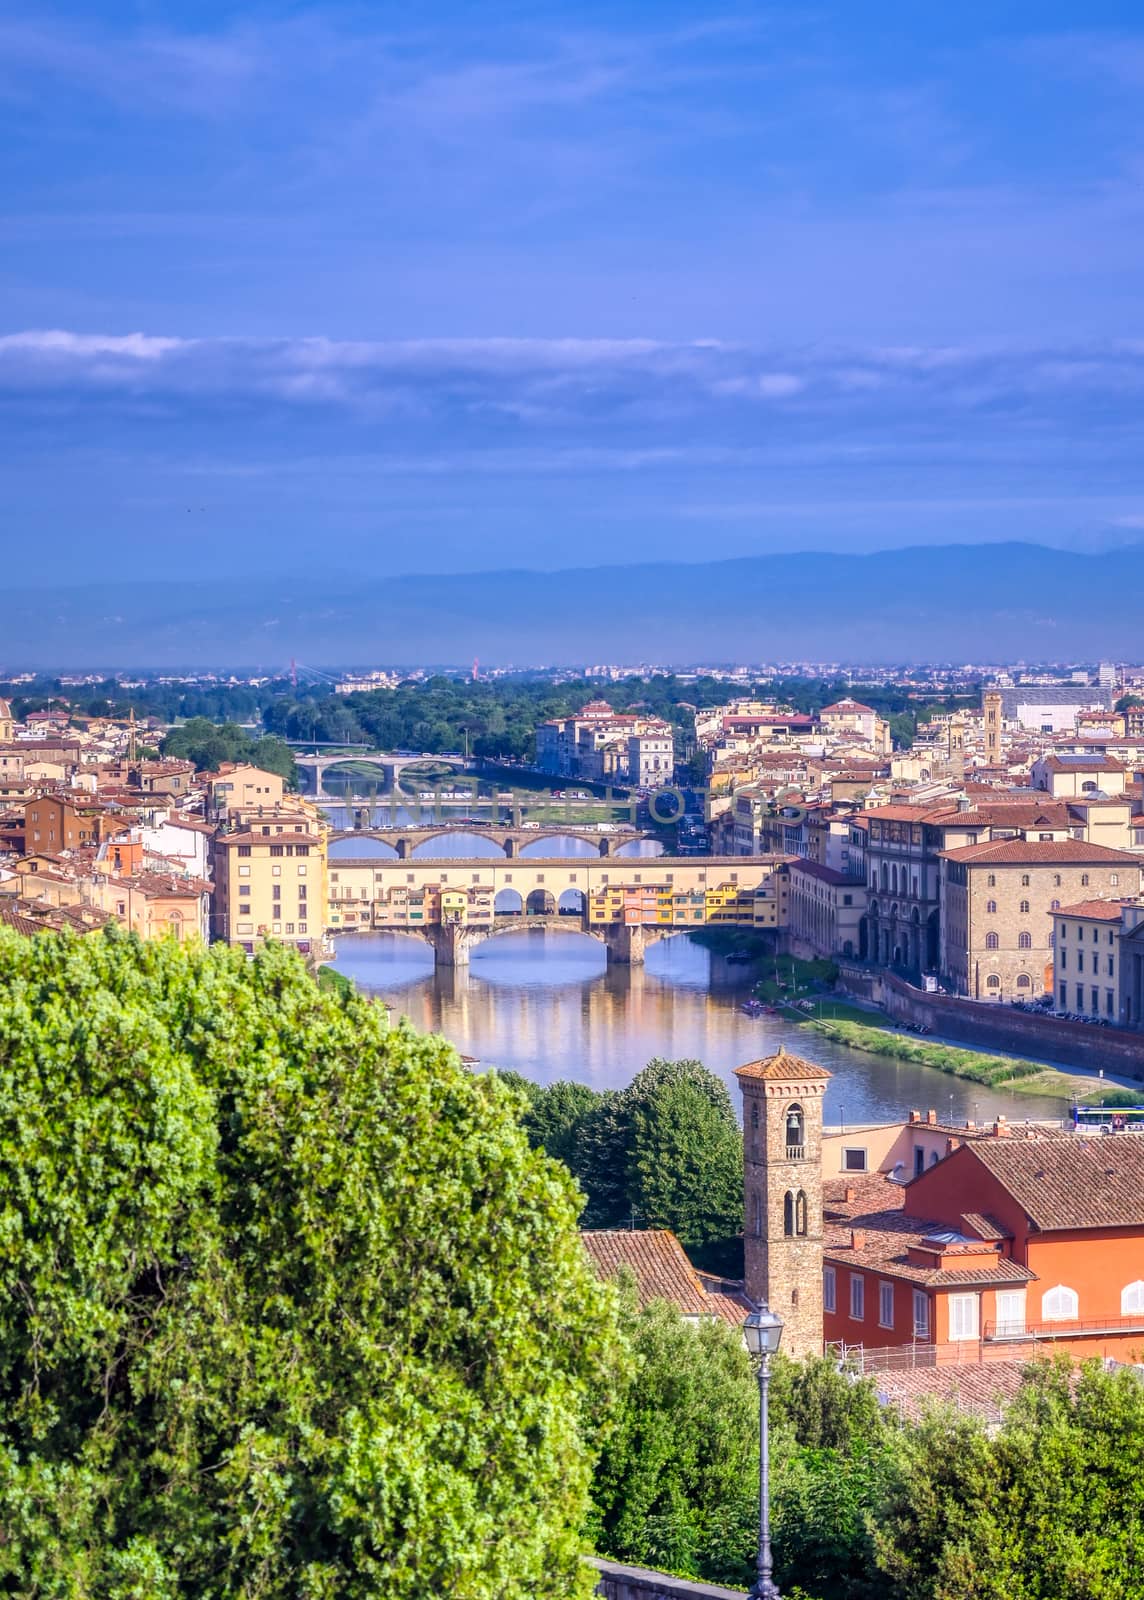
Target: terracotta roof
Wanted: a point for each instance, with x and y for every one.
(783, 1068)
(1024, 852)
(663, 1272)
(984, 1226)
(1075, 1183)
(257, 837)
(1082, 763)
(985, 1389)
(887, 1237)
(1093, 910)
(847, 706)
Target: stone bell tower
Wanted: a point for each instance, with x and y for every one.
(782, 1183)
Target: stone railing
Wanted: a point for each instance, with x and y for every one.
(636, 1583)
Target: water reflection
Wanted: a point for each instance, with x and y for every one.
(547, 1005)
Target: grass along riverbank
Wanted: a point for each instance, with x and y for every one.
(852, 1027)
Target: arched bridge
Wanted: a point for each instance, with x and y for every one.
(389, 766)
(511, 841)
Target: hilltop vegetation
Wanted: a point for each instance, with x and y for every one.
(288, 1307)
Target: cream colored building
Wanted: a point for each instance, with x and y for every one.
(270, 881)
(243, 787)
(1086, 958)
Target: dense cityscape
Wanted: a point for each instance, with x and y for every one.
(571, 801)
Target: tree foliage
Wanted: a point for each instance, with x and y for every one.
(666, 1152)
(287, 1305)
(208, 744)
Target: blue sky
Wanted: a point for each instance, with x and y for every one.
(422, 288)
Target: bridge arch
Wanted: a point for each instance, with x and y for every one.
(475, 845)
(574, 846)
(540, 903)
(571, 903)
(508, 903)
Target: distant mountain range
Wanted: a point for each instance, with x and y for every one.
(994, 602)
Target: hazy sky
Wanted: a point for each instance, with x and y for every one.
(445, 287)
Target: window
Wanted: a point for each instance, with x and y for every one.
(991, 880)
(857, 1296)
(244, 872)
(1023, 981)
(1055, 905)
(854, 1160)
(1084, 880)
(1024, 941)
(244, 849)
(1063, 959)
(1024, 880)
(1132, 1298)
(885, 1305)
(795, 1134)
(1080, 961)
(1060, 1304)
(1064, 1000)
(800, 1214)
(921, 1314)
(758, 1217)
(1056, 880)
(277, 850)
(991, 906)
(963, 1316)
(993, 981)
(1010, 1312)
(1114, 879)
(788, 1214)
(828, 1289)
(1024, 908)
(302, 870)
(991, 941)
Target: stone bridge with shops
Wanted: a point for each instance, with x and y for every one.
(405, 839)
(548, 893)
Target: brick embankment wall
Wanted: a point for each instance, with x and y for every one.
(1001, 1027)
(635, 1583)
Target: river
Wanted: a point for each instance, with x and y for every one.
(547, 1005)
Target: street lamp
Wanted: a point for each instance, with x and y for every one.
(762, 1331)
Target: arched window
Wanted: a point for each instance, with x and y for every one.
(991, 906)
(991, 880)
(800, 1214)
(1024, 908)
(1059, 1305)
(1025, 941)
(1132, 1298)
(788, 1214)
(991, 941)
(755, 1115)
(758, 1217)
(894, 879)
(1084, 880)
(934, 1158)
(1055, 906)
(1024, 981)
(795, 1133)
(1024, 880)
(885, 877)
(993, 981)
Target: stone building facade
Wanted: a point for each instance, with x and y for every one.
(998, 900)
(782, 1184)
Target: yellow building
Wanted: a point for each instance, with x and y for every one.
(270, 881)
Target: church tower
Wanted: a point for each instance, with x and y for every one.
(782, 1182)
(991, 709)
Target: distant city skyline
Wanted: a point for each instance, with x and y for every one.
(599, 284)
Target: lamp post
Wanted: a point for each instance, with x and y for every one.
(762, 1331)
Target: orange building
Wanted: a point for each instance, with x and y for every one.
(1004, 1248)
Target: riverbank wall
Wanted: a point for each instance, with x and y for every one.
(618, 1582)
(998, 1027)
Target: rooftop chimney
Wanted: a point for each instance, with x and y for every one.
(851, 1194)
(915, 1116)
(931, 1118)
(1000, 1127)
(857, 1239)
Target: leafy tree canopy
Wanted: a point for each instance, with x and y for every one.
(288, 1308)
(208, 744)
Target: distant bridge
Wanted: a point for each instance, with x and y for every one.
(511, 841)
(389, 765)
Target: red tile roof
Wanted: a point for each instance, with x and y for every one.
(1026, 852)
(662, 1272)
(1093, 910)
(1071, 1184)
(783, 1068)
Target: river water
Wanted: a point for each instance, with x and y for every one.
(546, 1004)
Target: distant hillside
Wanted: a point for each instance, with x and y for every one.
(958, 602)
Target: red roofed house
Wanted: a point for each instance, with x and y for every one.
(661, 1270)
(1003, 1247)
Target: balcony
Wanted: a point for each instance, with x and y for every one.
(796, 1152)
(1089, 1328)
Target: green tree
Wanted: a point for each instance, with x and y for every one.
(287, 1305)
(686, 1163)
(209, 744)
(676, 1483)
